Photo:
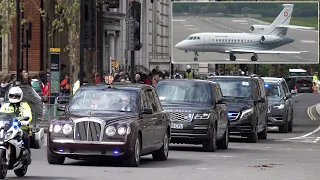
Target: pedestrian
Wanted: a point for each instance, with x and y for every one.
(189, 73)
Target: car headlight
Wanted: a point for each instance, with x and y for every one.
(246, 113)
(57, 128)
(51, 128)
(279, 106)
(111, 131)
(67, 129)
(122, 130)
(202, 116)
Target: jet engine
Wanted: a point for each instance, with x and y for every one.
(269, 38)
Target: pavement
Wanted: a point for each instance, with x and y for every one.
(305, 40)
(290, 156)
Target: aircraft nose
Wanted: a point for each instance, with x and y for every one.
(179, 45)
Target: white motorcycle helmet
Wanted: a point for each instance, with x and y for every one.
(15, 95)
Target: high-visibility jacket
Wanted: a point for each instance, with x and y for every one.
(76, 86)
(189, 75)
(24, 111)
(315, 79)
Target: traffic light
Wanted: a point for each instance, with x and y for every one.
(134, 27)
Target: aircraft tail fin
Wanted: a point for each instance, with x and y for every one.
(280, 25)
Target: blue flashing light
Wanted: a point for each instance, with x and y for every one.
(266, 85)
(229, 114)
(98, 135)
(60, 150)
(115, 152)
(15, 123)
(78, 134)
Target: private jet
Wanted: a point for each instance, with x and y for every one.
(262, 39)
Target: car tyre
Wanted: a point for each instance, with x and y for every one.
(284, 128)
(21, 171)
(55, 159)
(291, 122)
(163, 153)
(211, 145)
(264, 134)
(224, 142)
(253, 137)
(133, 159)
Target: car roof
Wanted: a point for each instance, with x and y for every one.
(231, 77)
(272, 79)
(188, 80)
(116, 85)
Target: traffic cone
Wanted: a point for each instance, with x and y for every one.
(314, 89)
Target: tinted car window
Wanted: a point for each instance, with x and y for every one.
(235, 87)
(144, 101)
(102, 100)
(307, 81)
(185, 92)
(151, 100)
(273, 90)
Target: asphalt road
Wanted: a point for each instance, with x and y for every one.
(278, 157)
(305, 40)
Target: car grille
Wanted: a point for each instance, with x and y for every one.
(87, 131)
(233, 115)
(177, 116)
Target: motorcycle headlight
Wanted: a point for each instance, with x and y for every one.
(8, 135)
(202, 116)
(278, 106)
(111, 131)
(246, 113)
(57, 128)
(67, 129)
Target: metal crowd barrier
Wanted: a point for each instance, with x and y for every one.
(50, 109)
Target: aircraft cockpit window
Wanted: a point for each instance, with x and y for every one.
(198, 37)
(194, 38)
(191, 38)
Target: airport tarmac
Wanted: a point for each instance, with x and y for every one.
(305, 40)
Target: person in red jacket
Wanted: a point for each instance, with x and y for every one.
(45, 88)
(65, 86)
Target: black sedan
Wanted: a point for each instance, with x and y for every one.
(123, 120)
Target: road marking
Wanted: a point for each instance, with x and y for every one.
(243, 23)
(268, 147)
(188, 25)
(316, 140)
(308, 41)
(310, 149)
(239, 20)
(179, 20)
(193, 29)
(306, 135)
(309, 111)
(288, 148)
(184, 22)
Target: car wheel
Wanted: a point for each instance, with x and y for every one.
(163, 153)
(264, 133)
(290, 122)
(55, 159)
(224, 142)
(253, 137)
(284, 128)
(211, 145)
(133, 159)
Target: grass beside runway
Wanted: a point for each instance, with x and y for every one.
(309, 22)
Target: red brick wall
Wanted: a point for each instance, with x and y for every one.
(30, 12)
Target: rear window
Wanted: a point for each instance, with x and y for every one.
(304, 81)
(185, 92)
(235, 87)
(273, 89)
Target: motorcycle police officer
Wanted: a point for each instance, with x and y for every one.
(20, 109)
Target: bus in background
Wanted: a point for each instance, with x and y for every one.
(297, 72)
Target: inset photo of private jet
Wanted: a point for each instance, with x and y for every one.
(232, 33)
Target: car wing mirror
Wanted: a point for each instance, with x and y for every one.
(147, 111)
(221, 100)
(288, 95)
(262, 100)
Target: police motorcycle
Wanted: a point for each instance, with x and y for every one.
(11, 145)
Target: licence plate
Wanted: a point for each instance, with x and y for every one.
(305, 88)
(176, 126)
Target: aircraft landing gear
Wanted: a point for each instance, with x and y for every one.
(254, 57)
(232, 57)
(196, 55)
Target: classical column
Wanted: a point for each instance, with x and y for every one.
(111, 50)
(116, 48)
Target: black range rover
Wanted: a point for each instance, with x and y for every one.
(247, 104)
(197, 112)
